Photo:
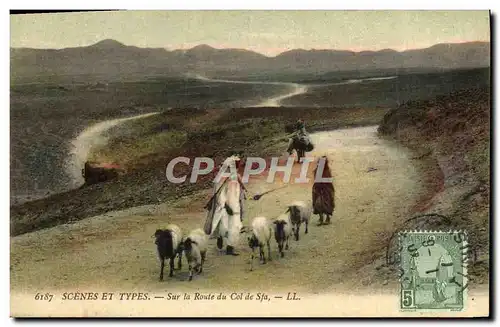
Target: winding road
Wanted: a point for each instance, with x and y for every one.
(275, 101)
(85, 141)
(93, 135)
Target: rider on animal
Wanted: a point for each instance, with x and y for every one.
(300, 130)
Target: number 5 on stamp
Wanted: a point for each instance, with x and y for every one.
(407, 299)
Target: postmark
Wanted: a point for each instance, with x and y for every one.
(433, 270)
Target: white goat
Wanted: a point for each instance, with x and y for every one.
(260, 237)
(300, 212)
(168, 243)
(195, 249)
(282, 231)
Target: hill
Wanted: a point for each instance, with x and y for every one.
(450, 136)
(109, 59)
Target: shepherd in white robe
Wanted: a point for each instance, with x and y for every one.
(224, 216)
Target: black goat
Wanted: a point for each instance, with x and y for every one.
(169, 245)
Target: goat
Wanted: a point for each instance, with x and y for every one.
(169, 244)
(195, 250)
(260, 237)
(300, 213)
(282, 232)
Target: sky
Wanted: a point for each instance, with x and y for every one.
(266, 32)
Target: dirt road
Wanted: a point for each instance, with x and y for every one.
(375, 185)
(275, 101)
(85, 141)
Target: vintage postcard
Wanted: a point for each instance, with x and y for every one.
(250, 164)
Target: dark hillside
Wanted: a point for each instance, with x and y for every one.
(450, 136)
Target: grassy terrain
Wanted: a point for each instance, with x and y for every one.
(46, 116)
(175, 131)
(147, 145)
(390, 92)
(451, 138)
(337, 76)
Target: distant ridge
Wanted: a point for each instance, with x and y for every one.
(110, 58)
(108, 43)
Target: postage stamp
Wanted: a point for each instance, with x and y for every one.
(433, 270)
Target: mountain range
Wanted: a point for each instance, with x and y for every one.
(112, 59)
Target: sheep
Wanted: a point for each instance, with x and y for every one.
(300, 213)
(260, 237)
(282, 231)
(195, 250)
(169, 244)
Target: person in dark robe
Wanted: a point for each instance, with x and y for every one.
(323, 194)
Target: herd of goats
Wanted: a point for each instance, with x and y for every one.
(171, 243)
